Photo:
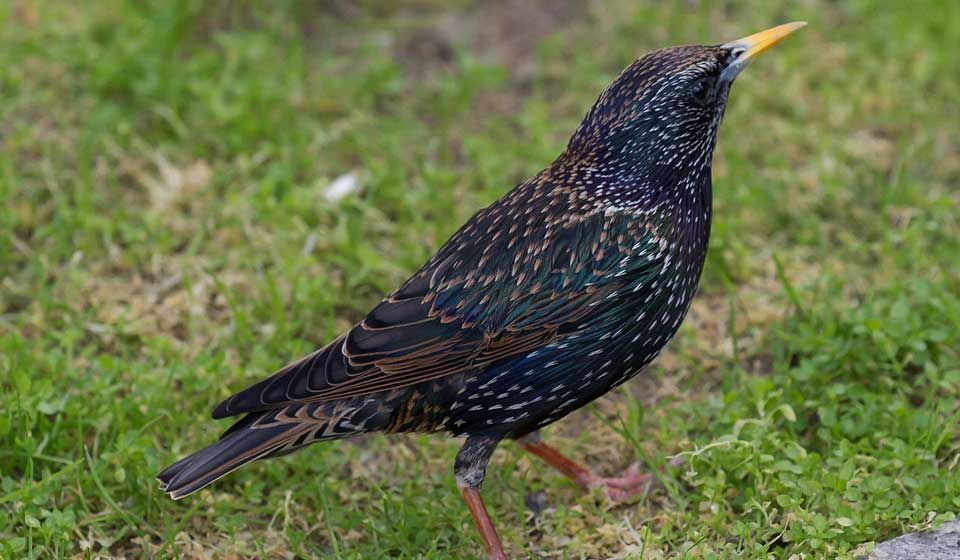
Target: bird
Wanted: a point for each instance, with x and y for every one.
(561, 290)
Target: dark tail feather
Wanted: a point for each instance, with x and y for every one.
(272, 433)
(238, 446)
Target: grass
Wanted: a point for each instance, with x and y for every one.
(165, 240)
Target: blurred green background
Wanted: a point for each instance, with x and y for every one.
(168, 235)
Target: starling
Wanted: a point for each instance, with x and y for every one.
(550, 297)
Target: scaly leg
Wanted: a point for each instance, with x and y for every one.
(470, 466)
(491, 542)
(621, 488)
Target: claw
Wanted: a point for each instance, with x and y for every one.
(623, 488)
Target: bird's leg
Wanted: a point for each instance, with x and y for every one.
(618, 489)
(470, 466)
(488, 534)
(532, 443)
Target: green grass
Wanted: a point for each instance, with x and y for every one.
(164, 241)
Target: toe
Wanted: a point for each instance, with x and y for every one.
(630, 478)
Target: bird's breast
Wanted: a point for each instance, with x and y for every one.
(637, 319)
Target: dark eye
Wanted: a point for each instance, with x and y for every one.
(701, 91)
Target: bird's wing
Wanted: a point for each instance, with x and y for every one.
(493, 292)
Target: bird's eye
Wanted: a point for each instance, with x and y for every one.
(701, 91)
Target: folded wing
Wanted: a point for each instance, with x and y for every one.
(491, 293)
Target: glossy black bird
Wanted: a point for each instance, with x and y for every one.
(561, 290)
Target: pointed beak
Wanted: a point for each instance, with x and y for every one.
(750, 46)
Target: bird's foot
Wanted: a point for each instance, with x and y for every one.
(623, 488)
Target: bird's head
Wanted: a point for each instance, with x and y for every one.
(665, 108)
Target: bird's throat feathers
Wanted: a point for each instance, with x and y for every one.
(675, 195)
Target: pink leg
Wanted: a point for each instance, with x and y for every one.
(621, 488)
(491, 542)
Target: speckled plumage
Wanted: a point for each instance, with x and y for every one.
(564, 288)
(540, 303)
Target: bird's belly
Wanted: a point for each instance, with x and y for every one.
(546, 384)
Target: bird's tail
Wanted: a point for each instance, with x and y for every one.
(257, 436)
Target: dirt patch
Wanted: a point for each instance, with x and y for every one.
(505, 31)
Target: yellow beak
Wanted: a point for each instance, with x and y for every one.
(750, 46)
(759, 42)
